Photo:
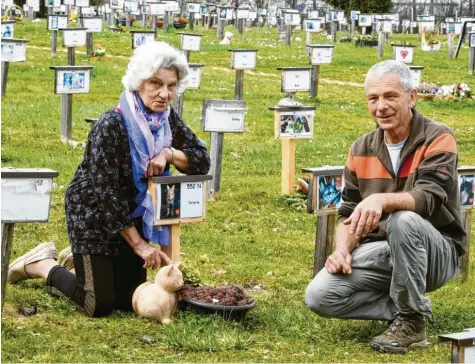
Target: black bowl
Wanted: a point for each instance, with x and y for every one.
(236, 313)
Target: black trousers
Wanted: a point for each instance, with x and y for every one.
(102, 282)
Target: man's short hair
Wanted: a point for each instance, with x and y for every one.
(400, 69)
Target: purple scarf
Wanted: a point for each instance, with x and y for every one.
(148, 134)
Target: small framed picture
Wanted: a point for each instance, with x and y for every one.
(8, 28)
(321, 54)
(295, 79)
(416, 72)
(92, 24)
(222, 13)
(291, 18)
(312, 14)
(13, 50)
(365, 20)
(178, 199)
(467, 189)
(71, 79)
(203, 10)
(52, 3)
(190, 42)
(157, 9)
(329, 192)
(74, 37)
(387, 26)
(472, 40)
(242, 13)
(172, 6)
(194, 76)
(340, 15)
(69, 2)
(312, 26)
(140, 38)
(243, 59)
(403, 54)
(57, 22)
(354, 15)
(292, 124)
(224, 116)
(193, 7)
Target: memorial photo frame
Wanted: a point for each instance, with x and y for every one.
(178, 199)
(312, 25)
(243, 59)
(117, 4)
(403, 53)
(416, 72)
(242, 14)
(142, 37)
(294, 123)
(365, 20)
(291, 18)
(312, 14)
(71, 79)
(157, 9)
(295, 79)
(321, 54)
(193, 80)
(466, 185)
(92, 24)
(57, 22)
(190, 42)
(35, 4)
(471, 42)
(354, 15)
(329, 191)
(8, 28)
(82, 3)
(74, 37)
(223, 116)
(13, 50)
(52, 3)
(193, 7)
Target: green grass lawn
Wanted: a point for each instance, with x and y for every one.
(249, 233)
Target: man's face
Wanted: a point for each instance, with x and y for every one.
(388, 104)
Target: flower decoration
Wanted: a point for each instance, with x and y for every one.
(456, 92)
(99, 52)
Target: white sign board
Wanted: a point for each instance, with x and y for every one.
(321, 55)
(8, 30)
(193, 7)
(52, 3)
(82, 3)
(454, 28)
(387, 26)
(194, 78)
(157, 9)
(365, 20)
(403, 54)
(242, 13)
(171, 6)
(243, 60)
(295, 80)
(223, 116)
(13, 51)
(87, 10)
(131, 6)
(74, 38)
(69, 2)
(296, 125)
(426, 26)
(72, 81)
(311, 26)
(26, 199)
(291, 19)
(416, 74)
(35, 4)
(312, 14)
(471, 40)
(354, 14)
(190, 42)
(117, 4)
(92, 25)
(56, 22)
(141, 38)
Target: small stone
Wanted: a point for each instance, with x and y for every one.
(147, 339)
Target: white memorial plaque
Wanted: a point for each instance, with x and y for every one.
(92, 25)
(35, 4)
(223, 116)
(242, 13)
(194, 77)
(13, 50)
(74, 37)
(57, 22)
(312, 14)
(28, 198)
(243, 60)
(131, 6)
(340, 15)
(139, 39)
(469, 354)
(193, 7)
(296, 125)
(403, 54)
(354, 14)
(311, 26)
(69, 2)
(190, 42)
(252, 15)
(117, 4)
(321, 55)
(365, 20)
(157, 9)
(295, 80)
(454, 28)
(7, 3)
(73, 81)
(291, 19)
(171, 6)
(387, 26)
(52, 3)
(416, 73)
(472, 40)
(426, 26)
(82, 3)
(8, 29)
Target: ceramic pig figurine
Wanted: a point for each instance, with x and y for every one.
(158, 300)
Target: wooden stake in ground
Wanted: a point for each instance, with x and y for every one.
(380, 44)
(13, 50)
(177, 200)
(242, 59)
(219, 117)
(471, 54)
(26, 197)
(319, 54)
(190, 43)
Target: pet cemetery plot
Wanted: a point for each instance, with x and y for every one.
(178, 200)
(26, 197)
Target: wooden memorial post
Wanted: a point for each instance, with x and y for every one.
(380, 44)
(291, 123)
(463, 346)
(92, 24)
(324, 198)
(365, 20)
(69, 80)
(72, 38)
(225, 13)
(242, 59)
(190, 43)
(55, 23)
(295, 79)
(319, 54)
(311, 26)
(13, 50)
(241, 15)
(219, 117)
(140, 37)
(291, 18)
(403, 53)
(26, 197)
(177, 200)
(156, 9)
(193, 83)
(471, 54)
(353, 17)
(193, 8)
(416, 72)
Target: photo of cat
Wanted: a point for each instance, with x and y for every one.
(296, 124)
(329, 191)
(170, 201)
(467, 190)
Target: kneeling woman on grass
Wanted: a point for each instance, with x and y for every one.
(108, 211)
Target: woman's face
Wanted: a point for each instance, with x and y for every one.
(159, 90)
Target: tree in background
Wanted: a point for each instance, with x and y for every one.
(365, 6)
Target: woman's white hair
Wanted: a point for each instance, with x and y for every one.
(401, 70)
(148, 59)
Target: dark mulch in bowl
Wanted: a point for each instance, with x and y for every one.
(222, 295)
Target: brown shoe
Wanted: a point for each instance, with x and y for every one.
(65, 258)
(16, 270)
(404, 333)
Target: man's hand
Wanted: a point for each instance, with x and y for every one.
(157, 164)
(339, 262)
(151, 255)
(365, 218)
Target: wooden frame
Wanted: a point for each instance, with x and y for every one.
(223, 116)
(243, 59)
(293, 112)
(142, 37)
(295, 79)
(13, 49)
(463, 346)
(190, 181)
(77, 81)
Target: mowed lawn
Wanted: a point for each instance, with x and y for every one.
(253, 237)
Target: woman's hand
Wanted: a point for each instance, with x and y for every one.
(157, 164)
(152, 255)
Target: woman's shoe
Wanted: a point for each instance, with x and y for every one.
(65, 258)
(16, 270)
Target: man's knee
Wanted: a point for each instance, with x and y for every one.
(403, 222)
(318, 297)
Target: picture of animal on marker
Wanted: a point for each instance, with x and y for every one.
(296, 124)
(329, 192)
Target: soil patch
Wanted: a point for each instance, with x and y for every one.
(220, 295)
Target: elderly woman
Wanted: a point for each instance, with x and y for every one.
(108, 210)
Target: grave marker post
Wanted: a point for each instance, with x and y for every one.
(319, 54)
(242, 59)
(13, 50)
(190, 42)
(380, 44)
(295, 79)
(194, 81)
(471, 54)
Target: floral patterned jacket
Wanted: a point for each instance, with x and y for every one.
(101, 197)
